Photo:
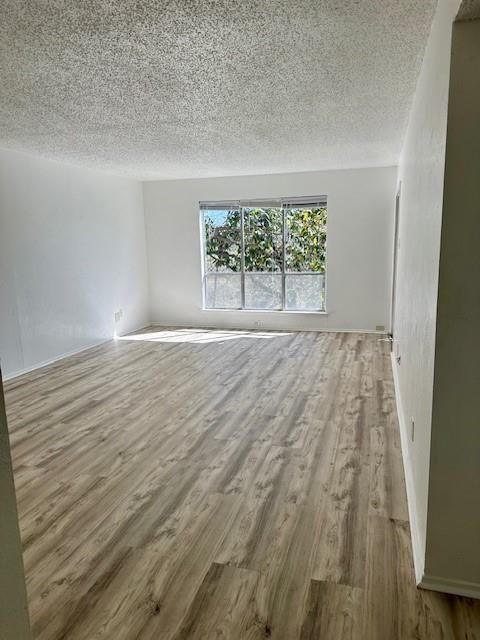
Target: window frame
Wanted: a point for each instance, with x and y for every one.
(284, 204)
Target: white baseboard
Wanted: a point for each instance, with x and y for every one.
(423, 579)
(45, 363)
(445, 585)
(192, 325)
(417, 546)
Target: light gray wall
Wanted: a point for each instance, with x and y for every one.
(72, 252)
(421, 173)
(359, 241)
(14, 622)
(453, 524)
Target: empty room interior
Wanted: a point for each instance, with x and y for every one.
(239, 313)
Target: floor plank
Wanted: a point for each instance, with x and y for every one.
(333, 612)
(393, 607)
(224, 607)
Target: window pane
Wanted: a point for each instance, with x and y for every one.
(305, 292)
(263, 291)
(263, 233)
(222, 240)
(223, 291)
(306, 236)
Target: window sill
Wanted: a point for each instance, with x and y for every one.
(279, 311)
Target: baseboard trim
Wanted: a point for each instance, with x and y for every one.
(264, 327)
(68, 354)
(417, 547)
(446, 585)
(46, 363)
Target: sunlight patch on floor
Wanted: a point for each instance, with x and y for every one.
(201, 335)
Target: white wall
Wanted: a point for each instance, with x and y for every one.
(72, 252)
(453, 519)
(359, 240)
(421, 173)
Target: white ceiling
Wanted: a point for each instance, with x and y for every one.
(187, 88)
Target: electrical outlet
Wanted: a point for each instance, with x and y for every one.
(258, 323)
(118, 315)
(380, 327)
(398, 357)
(413, 430)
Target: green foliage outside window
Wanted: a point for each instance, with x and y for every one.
(305, 238)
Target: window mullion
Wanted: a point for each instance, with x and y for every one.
(204, 251)
(242, 256)
(284, 229)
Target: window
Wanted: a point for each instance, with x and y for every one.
(265, 254)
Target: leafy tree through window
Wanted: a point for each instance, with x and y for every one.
(265, 255)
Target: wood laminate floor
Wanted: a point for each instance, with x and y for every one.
(220, 485)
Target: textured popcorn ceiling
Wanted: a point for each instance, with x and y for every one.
(469, 10)
(208, 88)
